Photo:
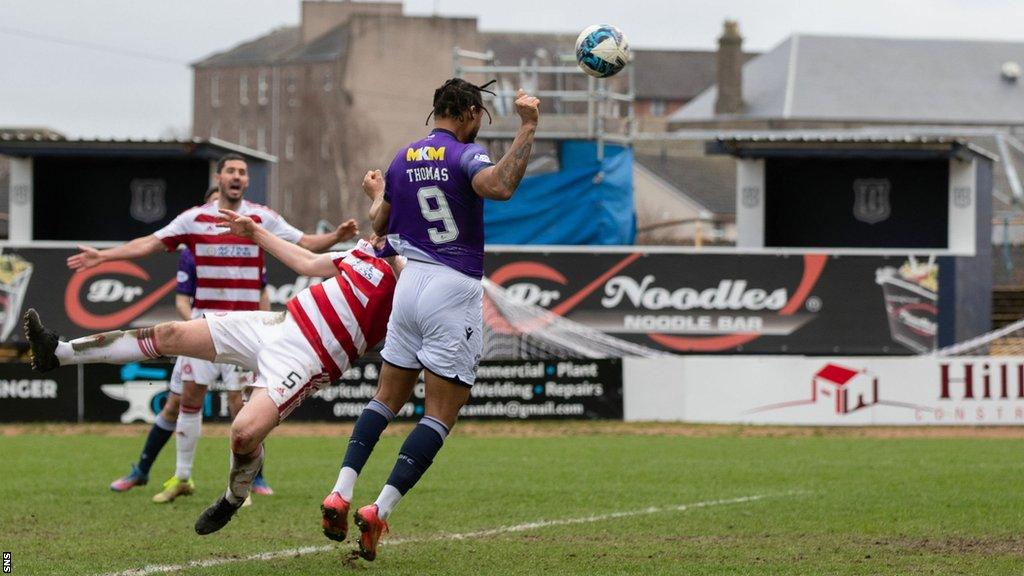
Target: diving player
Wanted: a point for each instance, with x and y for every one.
(294, 353)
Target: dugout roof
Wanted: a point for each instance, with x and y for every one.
(825, 144)
(207, 149)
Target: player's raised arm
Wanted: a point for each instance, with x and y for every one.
(137, 248)
(294, 256)
(275, 224)
(320, 242)
(500, 181)
(168, 238)
(380, 208)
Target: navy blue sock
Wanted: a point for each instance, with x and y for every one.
(159, 434)
(417, 453)
(370, 425)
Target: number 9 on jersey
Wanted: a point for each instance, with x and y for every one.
(449, 230)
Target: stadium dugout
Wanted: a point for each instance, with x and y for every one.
(858, 192)
(108, 190)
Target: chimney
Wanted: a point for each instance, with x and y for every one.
(730, 70)
(320, 16)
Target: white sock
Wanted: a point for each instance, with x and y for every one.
(115, 347)
(243, 470)
(187, 433)
(346, 483)
(64, 352)
(387, 501)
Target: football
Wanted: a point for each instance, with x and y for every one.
(602, 50)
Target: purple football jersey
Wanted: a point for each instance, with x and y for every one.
(435, 214)
(186, 273)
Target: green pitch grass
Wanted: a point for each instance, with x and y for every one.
(833, 504)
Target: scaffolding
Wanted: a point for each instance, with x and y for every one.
(574, 106)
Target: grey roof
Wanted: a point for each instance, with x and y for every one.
(262, 50)
(675, 74)
(877, 79)
(328, 46)
(709, 181)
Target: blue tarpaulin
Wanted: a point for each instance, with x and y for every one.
(568, 207)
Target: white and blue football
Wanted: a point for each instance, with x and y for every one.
(602, 50)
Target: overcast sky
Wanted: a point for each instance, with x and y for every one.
(53, 72)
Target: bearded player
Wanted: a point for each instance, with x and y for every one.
(228, 269)
(294, 353)
(430, 205)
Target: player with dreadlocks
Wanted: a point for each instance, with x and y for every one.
(430, 207)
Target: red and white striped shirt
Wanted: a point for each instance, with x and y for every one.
(228, 267)
(347, 315)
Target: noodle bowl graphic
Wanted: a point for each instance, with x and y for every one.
(15, 274)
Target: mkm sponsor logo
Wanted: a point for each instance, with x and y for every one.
(424, 153)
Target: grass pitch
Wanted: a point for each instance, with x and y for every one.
(833, 503)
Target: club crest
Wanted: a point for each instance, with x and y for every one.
(871, 200)
(148, 203)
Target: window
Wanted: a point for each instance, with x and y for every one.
(289, 147)
(243, 137)
(262, 88)
(215, 90)
(657, 108)
(292, 88)
(261, 139)
(287, 194)
(323, 202)
(215, 129)
(243, 89)
(328, 81)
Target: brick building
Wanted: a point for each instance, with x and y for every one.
(316, 97)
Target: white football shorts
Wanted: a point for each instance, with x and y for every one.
(436, 322)
(272, 344)
(217, 376)
(175, 384)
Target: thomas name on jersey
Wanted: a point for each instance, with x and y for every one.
(428, 173)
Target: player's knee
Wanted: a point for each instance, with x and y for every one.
(393, 400)
(241, 440)
(170, 410)
(168, 335)
(244, 438)
(191, 393)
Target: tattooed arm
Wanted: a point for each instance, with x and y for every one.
(498, 182)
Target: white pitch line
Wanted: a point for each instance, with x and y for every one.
(307, 550)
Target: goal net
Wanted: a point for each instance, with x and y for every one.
(516, 330)
(1006, 341)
